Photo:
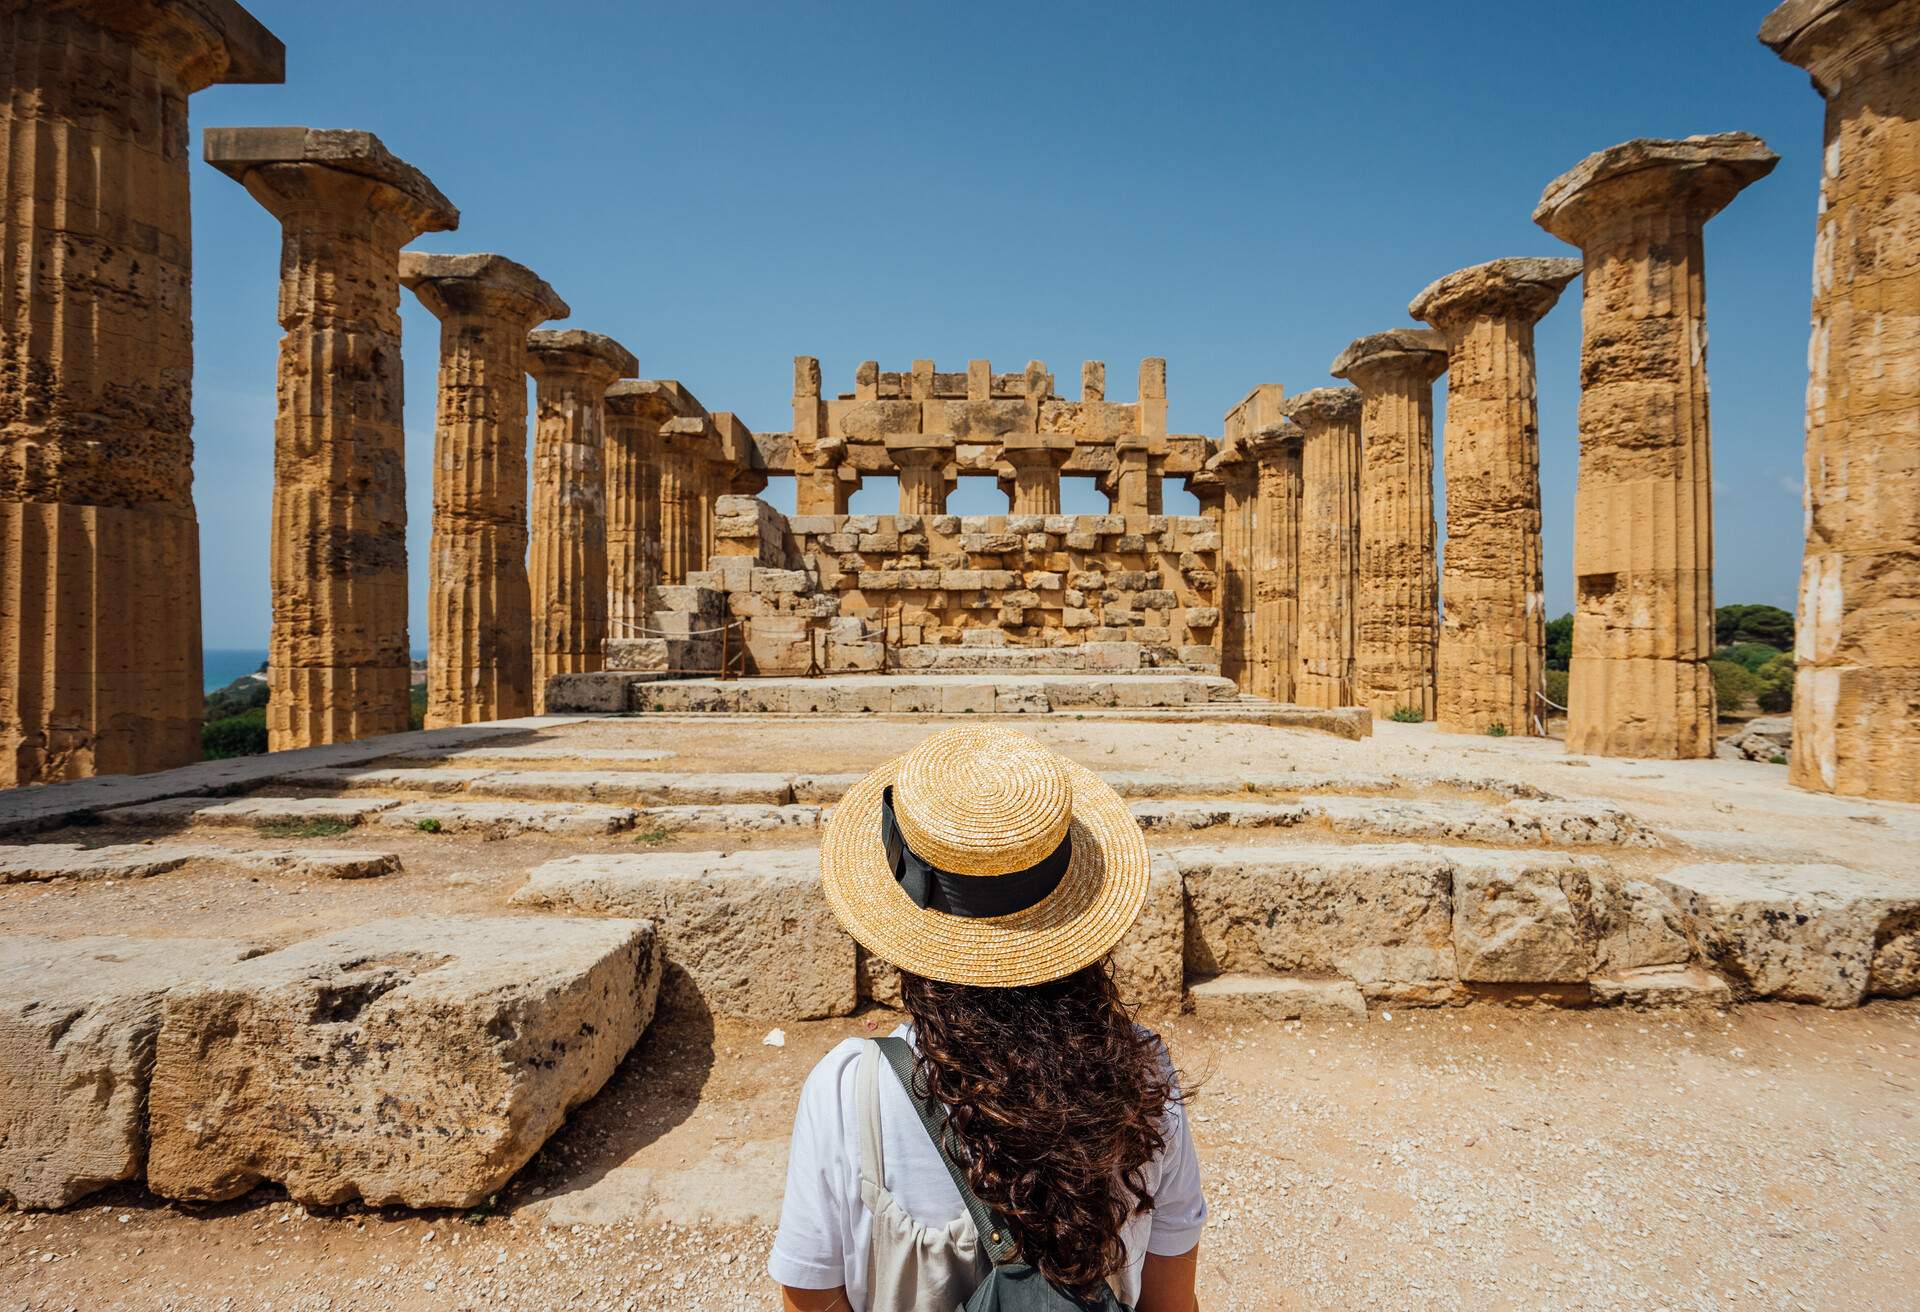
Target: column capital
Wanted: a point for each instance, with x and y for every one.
(204, 41)
(1322, 406)
(1836, 40)
(1697, 176)
(1521, 289)
(554, 351)
(1031, 449)
(655, 399)
(283, 167)
(1270, 443)
(490, 285)
(917, 449)
(1419, 354)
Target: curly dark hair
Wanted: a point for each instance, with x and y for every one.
(1055, 1100)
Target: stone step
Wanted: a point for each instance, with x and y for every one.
(141, 860)
(502, 819)
(981, 693)
(1512, 824)
(531, 752)
(78, 1019)
(255, 812)
(1661, 986)
(1275, 997)
(431, 1055)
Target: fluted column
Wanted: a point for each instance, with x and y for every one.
(1492, 652)
(1276, 559)
(1329, 542)
(1397, 612)
(1036, 459)
(921, 460)
(99, 545)
(1856, 694)
(479, 615)
(338, 662)
(572, 371)
(1239, 486)
(683, 548)
(1643, 513)
(636, 408)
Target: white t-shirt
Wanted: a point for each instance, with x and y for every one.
(824, 1225)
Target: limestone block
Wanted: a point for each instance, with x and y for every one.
(503, 818)
(745, 934)
(643, 655)
(418, 1061)
(590, 694)
(1202, 617)
(968, 698)
(247, 811)
(1114, 656)
(1276, 997)
(1628, 924)
(1149, 964)
(1516, 924)
(1020, 699)
(1661, 986)
(78, 1018)
(1804, 933)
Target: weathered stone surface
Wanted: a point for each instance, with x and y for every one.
(1804, 933)
(572, 818)
(99, 545)
(1329, 543)
(252, 811)
(406, 779)
(1149, 964)
(78, 1018)
(42, 861)
(1515, 924)
(1397, 592)
(1516, 823)
(1276, 997)
(638, 787)
(1857, 642)
(727, 818)
(1492, 648)
(745, 934)
(418, 1061)
(338, 656)
(479, 613)
(1661, 986)
(1628, 924)
(1643, 512)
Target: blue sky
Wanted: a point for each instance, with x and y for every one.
(1242, 188)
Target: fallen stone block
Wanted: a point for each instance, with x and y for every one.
(78, 1018)
(42, 861)
(745, 934)
(637, 787)
(1801, 932)
(419, 1061)
(1276, 997)
(316, 862)
(504, 818)
(257, 812)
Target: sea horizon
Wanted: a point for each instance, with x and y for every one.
(220, 666)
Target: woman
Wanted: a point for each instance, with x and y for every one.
(997, 876)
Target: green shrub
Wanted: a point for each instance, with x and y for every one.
(1406, 715)
(243, 694)
(1776, 685)
(417, 706)
(1768, 624)
(1557, 687)
(325, 827)
(1733, 685)
(1496, 730)
(1750, 655)
(427, 825)
(244, 734)
(1559, 642)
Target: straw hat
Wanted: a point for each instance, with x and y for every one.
(982, 858)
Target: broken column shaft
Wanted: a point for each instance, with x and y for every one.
(479, 616)
(1397, 611)
(1643, 512)
(572, 371)
(1856, 693)
(338, 661)
(1491, 658)
(99, 544)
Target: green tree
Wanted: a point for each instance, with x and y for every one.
(1755, 623)
(1559, 642)
(1775, 693)
(244, 734)
(1733, 685)
(1750, 655)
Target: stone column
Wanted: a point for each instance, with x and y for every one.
(1643, 513)
(816, 482)
(99, 546)
(1397, 612)
(1239, 484)
(1209, 489)
(1492, 650)
(683, 446)
(921, 460)
(1276, 558)
(479, 616)
(338, 662)
(1036, 459)
(636, 408)
(1329, 418)
(572, 371)
(1135, 490)
(1856, 695)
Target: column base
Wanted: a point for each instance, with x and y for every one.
(1640, 707)
(310, 706)
(1856, 731)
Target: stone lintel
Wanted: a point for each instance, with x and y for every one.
(1421, 352)
(896, 443)
(688, 429)
(1059, 445)
(558, 349)
(208, 41)
(653, 398)
(1698, 175)
(1323, 405)
(237, 152)
(484, 273)
(1522, 288)
(1833, 39)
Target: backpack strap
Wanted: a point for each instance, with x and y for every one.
(995, 1241)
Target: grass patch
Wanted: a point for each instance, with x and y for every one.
(1776, 759)
(427, 826)
(1496, 730)
(325, 827)
(1407, 715)
(654, 836)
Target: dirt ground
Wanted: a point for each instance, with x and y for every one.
(1479, 1158)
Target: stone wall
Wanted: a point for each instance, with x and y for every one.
(1046, 581)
